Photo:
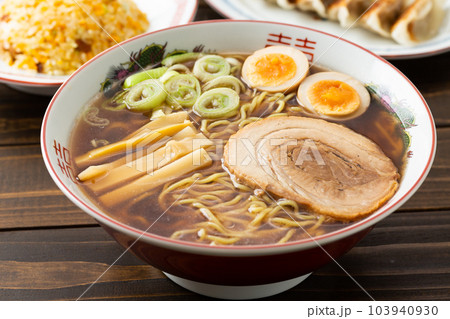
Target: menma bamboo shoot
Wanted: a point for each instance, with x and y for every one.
(142, 139)
(96, 171)
(186, 164)
(147, 164)
(169, 119)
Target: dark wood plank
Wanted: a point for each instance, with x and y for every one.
(406, 257)
(20, 116)
(205, 12)
(28, 196)
(431, 76)
(62, 263)
(433, 194)
(438, 102)
(435, 68)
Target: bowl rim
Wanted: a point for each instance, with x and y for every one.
(245, 250)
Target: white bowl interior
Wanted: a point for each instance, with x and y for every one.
(240, 36)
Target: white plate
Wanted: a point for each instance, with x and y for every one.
(262, 10)
(161, 14)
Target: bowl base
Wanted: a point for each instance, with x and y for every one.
(237, 292)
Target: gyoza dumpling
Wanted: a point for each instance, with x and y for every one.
(419, 22)
(318, 6)
(382, 16)
(285, 4)
(347, 12)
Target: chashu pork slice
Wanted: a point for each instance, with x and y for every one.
(327, 167)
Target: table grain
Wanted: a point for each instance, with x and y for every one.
(51, 250)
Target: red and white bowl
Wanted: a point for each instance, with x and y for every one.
(240, 272)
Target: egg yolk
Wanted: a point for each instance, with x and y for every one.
(271, 69)
(333, 97)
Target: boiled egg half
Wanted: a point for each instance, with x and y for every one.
(275, 69)
(333, 95)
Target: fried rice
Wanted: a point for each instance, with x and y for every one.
(57, 36)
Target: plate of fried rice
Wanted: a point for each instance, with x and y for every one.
(42, 42)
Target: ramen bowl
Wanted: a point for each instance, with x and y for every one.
(241, 271)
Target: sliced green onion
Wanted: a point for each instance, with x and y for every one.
(166, 76)
(180, 58)
(210, 67)
(180, 68)
(228, 81)
(217, 103)
(145, 96)
(183, 90)
(144, 75)
(235, 64)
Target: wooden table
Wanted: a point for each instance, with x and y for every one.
(51, 250)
